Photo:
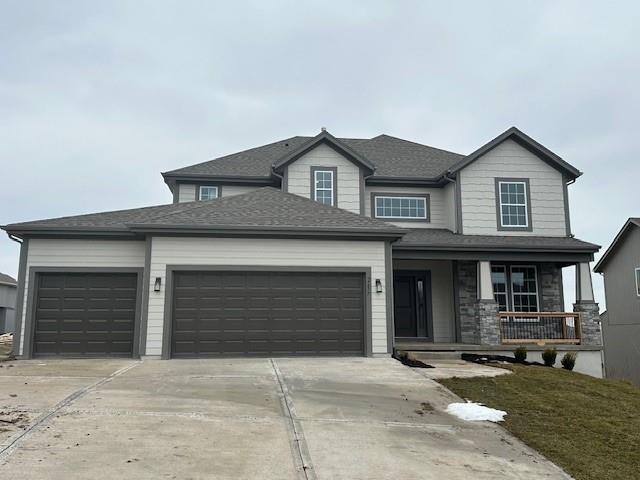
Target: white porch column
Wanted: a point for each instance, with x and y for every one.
(485, 286)
(584, 287)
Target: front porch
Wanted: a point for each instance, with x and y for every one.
(491, 305)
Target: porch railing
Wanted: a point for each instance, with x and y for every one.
(539, 327)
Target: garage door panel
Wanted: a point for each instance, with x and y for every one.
(85, 314)
(267, 313)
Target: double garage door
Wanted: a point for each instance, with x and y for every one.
(267, 313)
(213, 314)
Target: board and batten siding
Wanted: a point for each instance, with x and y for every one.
(80, 253)
(264, 253)
(442, 301)
(187, 192)
(438, 205)
(349, 175)
(510, 160)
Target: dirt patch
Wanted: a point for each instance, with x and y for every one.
(11, 420)
(6, 341)
(410, 362)
(425, 407)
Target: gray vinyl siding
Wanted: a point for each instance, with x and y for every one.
(438, 205)
(265, 253)
(441, 295)
(509, 159)
(79, 253)
(621, 330)
(348, 181)
(187, 192)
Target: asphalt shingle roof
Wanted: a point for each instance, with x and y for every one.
(392, 157)
(445, 239)
(264, 208)
(7, 279)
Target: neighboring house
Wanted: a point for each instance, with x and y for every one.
(8, 287)
(320, 246)
(620, 266)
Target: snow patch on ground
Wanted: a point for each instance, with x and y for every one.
(475, 412)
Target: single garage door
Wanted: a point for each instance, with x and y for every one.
(267, 313)
(85, 314)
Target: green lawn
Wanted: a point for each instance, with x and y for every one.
(589, 427)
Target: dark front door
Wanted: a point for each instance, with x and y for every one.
(412, 311)
(238, 313)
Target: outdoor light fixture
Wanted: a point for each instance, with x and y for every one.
(378, 286)
(156, 285)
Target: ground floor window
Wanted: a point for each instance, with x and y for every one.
(521, 281)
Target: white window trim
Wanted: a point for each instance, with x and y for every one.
(375, 207)
(635, 272)
(317, 189)
(207, 186)
(513, 296)
(526, 204)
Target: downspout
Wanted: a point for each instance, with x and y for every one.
(281, 177)
(14, 238)
(457, 207)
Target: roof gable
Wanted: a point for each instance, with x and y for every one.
(633, 222)
(325, 138)
(525, 141)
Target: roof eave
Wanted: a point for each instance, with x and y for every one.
(598, 268)
(48, 230)
(270, 231)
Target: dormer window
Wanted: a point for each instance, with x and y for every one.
(207, 193)
(323, 185)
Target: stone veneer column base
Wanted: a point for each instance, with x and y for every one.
(589, 322)
(488, 322)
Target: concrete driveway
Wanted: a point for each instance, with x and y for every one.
(244, 419)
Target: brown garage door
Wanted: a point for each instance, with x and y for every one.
(85, 314)
(267, 313)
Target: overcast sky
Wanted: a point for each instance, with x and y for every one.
(97, 98)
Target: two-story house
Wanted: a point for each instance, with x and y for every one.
(620, 267)
(320, 246)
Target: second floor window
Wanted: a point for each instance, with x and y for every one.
(410, 208)
(513, 204)
(638, 281)
(208, 193)
(324, 182)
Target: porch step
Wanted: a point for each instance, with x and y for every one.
(427, 357)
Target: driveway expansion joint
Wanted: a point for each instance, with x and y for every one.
(302, 458)
(13, 443)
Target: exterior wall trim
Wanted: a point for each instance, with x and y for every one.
(499, 227)
(29, 330)
(22, 275)
(312, 182)
(554, 257)
(565, 197)
(426, 196)
(391, 329)
(168, 294)
(146, 285)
